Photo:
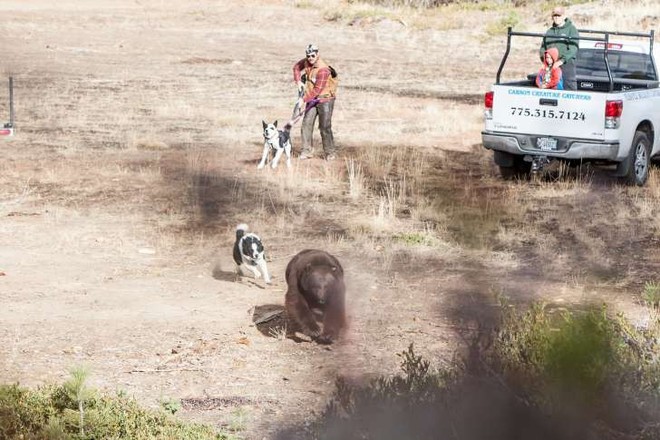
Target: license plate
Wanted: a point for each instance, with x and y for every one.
(546, 144)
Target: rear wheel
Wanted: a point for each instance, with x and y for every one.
(638, 160)
(512, 167)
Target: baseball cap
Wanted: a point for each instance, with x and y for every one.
(559, 11)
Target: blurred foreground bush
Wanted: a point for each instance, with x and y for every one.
(540, 375)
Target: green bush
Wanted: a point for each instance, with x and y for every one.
(53, 412)
(587, 353)
(651, 294)
(573, 351)
(581, 353)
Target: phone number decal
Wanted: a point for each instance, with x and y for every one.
(550, 114)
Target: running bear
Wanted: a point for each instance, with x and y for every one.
(315, 295)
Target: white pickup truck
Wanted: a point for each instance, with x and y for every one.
(613, 118)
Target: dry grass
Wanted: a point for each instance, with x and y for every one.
(647, 202)
(639, 15)
(356, 181)
(385, 181)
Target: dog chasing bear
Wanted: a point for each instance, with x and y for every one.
(315, 291)
(249, 253)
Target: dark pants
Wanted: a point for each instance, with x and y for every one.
(324, 113)
(568, 74)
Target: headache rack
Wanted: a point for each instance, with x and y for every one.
(604, 37)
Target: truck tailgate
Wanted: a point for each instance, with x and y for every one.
(559, 113)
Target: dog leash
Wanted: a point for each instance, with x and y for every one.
(295, 119)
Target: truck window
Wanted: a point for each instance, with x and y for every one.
(624, 65)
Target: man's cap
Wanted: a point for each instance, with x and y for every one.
(558, 10)
(311, 48)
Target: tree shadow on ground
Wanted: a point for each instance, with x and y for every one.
(213, 196)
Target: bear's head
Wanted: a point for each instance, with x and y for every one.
(321, 282)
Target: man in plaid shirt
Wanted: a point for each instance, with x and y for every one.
(319, 86)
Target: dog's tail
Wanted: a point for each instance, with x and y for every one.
(241, 230)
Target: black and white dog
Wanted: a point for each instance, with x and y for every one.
(277, 140)
(249, 253)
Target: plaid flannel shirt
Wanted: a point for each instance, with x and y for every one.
(321, 80)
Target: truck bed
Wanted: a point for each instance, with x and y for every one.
(597, 83)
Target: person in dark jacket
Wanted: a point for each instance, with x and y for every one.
(564, 36)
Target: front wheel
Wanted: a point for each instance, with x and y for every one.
(638, 160)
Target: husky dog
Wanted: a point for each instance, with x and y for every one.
(278, 140)
(249, 253)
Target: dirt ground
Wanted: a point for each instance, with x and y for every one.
(134, 159)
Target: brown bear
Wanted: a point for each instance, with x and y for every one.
(315, 292)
